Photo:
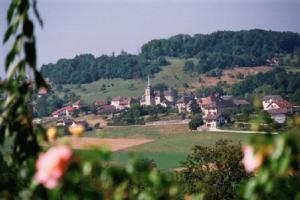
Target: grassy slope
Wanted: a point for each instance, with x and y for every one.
(172, 75)
(172, 143)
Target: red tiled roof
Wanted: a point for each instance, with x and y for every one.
(281, 103)
(278, 111)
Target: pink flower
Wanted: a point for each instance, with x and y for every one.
(51, 166)
(250, 160)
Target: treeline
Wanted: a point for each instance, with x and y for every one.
(222, 49)
(277, 81)
(86, 68)
(225, 49)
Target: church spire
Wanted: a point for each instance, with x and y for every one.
(148, 81)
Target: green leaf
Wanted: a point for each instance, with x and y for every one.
(11, 10)
(30, 55)
(39, 79)
(36, 12)
(10, 57)
(8, 33)
(28, 28)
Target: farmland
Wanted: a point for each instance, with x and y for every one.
(170, 145)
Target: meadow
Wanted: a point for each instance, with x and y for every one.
(171, 145)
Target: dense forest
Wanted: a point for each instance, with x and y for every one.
(226, 49)
(86, 68)
(277, 81)
(222, 49)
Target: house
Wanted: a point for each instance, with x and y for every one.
(278, 115)
(106, 109)
(100, 102)
(214, 107)
(241, 103)
(79, 105)
(266, 100)
(183, 104)
(276, 104)
(151, 97)
(213, 120)
(279, 109)
(64, 112)
(218, 104)
(121, 103)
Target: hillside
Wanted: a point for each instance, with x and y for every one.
(215, 51)
(172, 75)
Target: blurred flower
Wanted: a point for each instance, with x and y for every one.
(51, 134)
(250, 160)
(76, 130)
(51, 166)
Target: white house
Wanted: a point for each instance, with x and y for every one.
(268, 99)
(279, 109)
(213, 120)
(120, 103)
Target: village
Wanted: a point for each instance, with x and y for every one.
(216, 110)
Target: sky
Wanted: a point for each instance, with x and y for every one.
(73, 27)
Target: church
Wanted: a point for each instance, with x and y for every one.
(151, 97)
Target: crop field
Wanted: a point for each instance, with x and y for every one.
(170, 143)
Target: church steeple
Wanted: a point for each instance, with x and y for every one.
(149, 98)
(148, 85)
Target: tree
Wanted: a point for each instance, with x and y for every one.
(185, 85)
(195, 122)
(214, 171)
(188, 66)
(195, 108)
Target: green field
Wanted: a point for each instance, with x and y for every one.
(171, 144)
(172, 75)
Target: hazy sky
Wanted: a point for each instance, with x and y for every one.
(73, 27)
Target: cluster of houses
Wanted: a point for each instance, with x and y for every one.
(213, 107)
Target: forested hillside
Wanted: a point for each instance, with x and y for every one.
(226, 49)
(221, 50)
(86, 68)
(277, 81)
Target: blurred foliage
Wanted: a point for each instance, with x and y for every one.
(215, 171)
(19, 145)
(94, 177)
(278, 177)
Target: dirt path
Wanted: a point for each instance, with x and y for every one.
(112, 144)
